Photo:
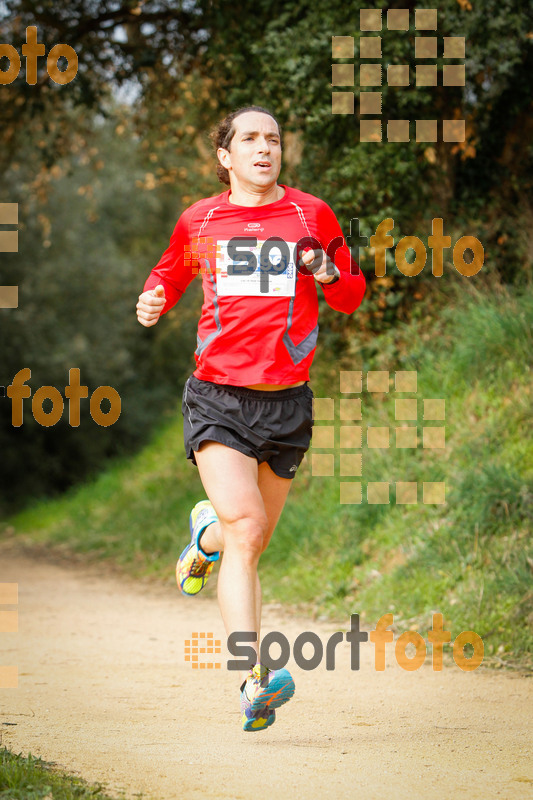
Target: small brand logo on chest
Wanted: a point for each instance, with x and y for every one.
(253, 227)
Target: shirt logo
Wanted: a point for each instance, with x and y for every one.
(253, 227)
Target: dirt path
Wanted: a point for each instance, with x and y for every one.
(104, 691)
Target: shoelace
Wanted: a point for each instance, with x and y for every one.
(198, 564)
(257, 674)
(260, 671)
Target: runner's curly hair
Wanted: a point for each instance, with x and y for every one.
(224, 131)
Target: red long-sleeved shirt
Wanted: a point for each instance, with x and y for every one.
(260, 327)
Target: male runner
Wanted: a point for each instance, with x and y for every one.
(247, 406)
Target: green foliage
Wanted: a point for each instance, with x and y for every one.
(127, 44)
(481, 187)
(100, 187)
(85, 252)
(469, 559)
(31, 778)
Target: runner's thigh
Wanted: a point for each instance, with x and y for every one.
(230, 481)
(274, 491)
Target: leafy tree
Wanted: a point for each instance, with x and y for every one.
(481, 186)
(100, 184)
(90, 231)
(118, 43)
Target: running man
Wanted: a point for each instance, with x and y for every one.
(247, 406)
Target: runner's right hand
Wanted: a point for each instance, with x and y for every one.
(150, 306)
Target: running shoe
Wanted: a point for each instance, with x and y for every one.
(263, 691)
(257, 722)
(194, 566)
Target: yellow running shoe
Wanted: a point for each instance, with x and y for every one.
(194, 566)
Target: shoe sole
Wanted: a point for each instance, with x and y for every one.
(249, 727)
(279, 691)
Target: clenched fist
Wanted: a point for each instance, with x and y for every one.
(320, 265)
(150, 306)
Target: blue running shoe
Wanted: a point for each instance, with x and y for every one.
(263, 691)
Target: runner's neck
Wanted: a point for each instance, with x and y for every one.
(240, 197)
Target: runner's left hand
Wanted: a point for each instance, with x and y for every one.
(320, 264)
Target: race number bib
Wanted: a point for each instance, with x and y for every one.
(264, 269)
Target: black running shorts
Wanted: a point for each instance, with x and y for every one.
(275, 427)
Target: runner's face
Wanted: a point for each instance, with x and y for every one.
(255, 155)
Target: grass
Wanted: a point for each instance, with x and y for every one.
(31, 778)
(469, 559)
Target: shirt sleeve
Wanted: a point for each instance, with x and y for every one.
(345, 294)
(174, 271)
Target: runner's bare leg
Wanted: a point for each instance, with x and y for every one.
(248, 499)
(274, 491)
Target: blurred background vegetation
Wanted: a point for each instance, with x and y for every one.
(101, 169)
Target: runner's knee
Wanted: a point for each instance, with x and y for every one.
(246, 533)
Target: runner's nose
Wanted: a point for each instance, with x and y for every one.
(264, 145)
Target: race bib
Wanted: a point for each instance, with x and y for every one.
(266, 269)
